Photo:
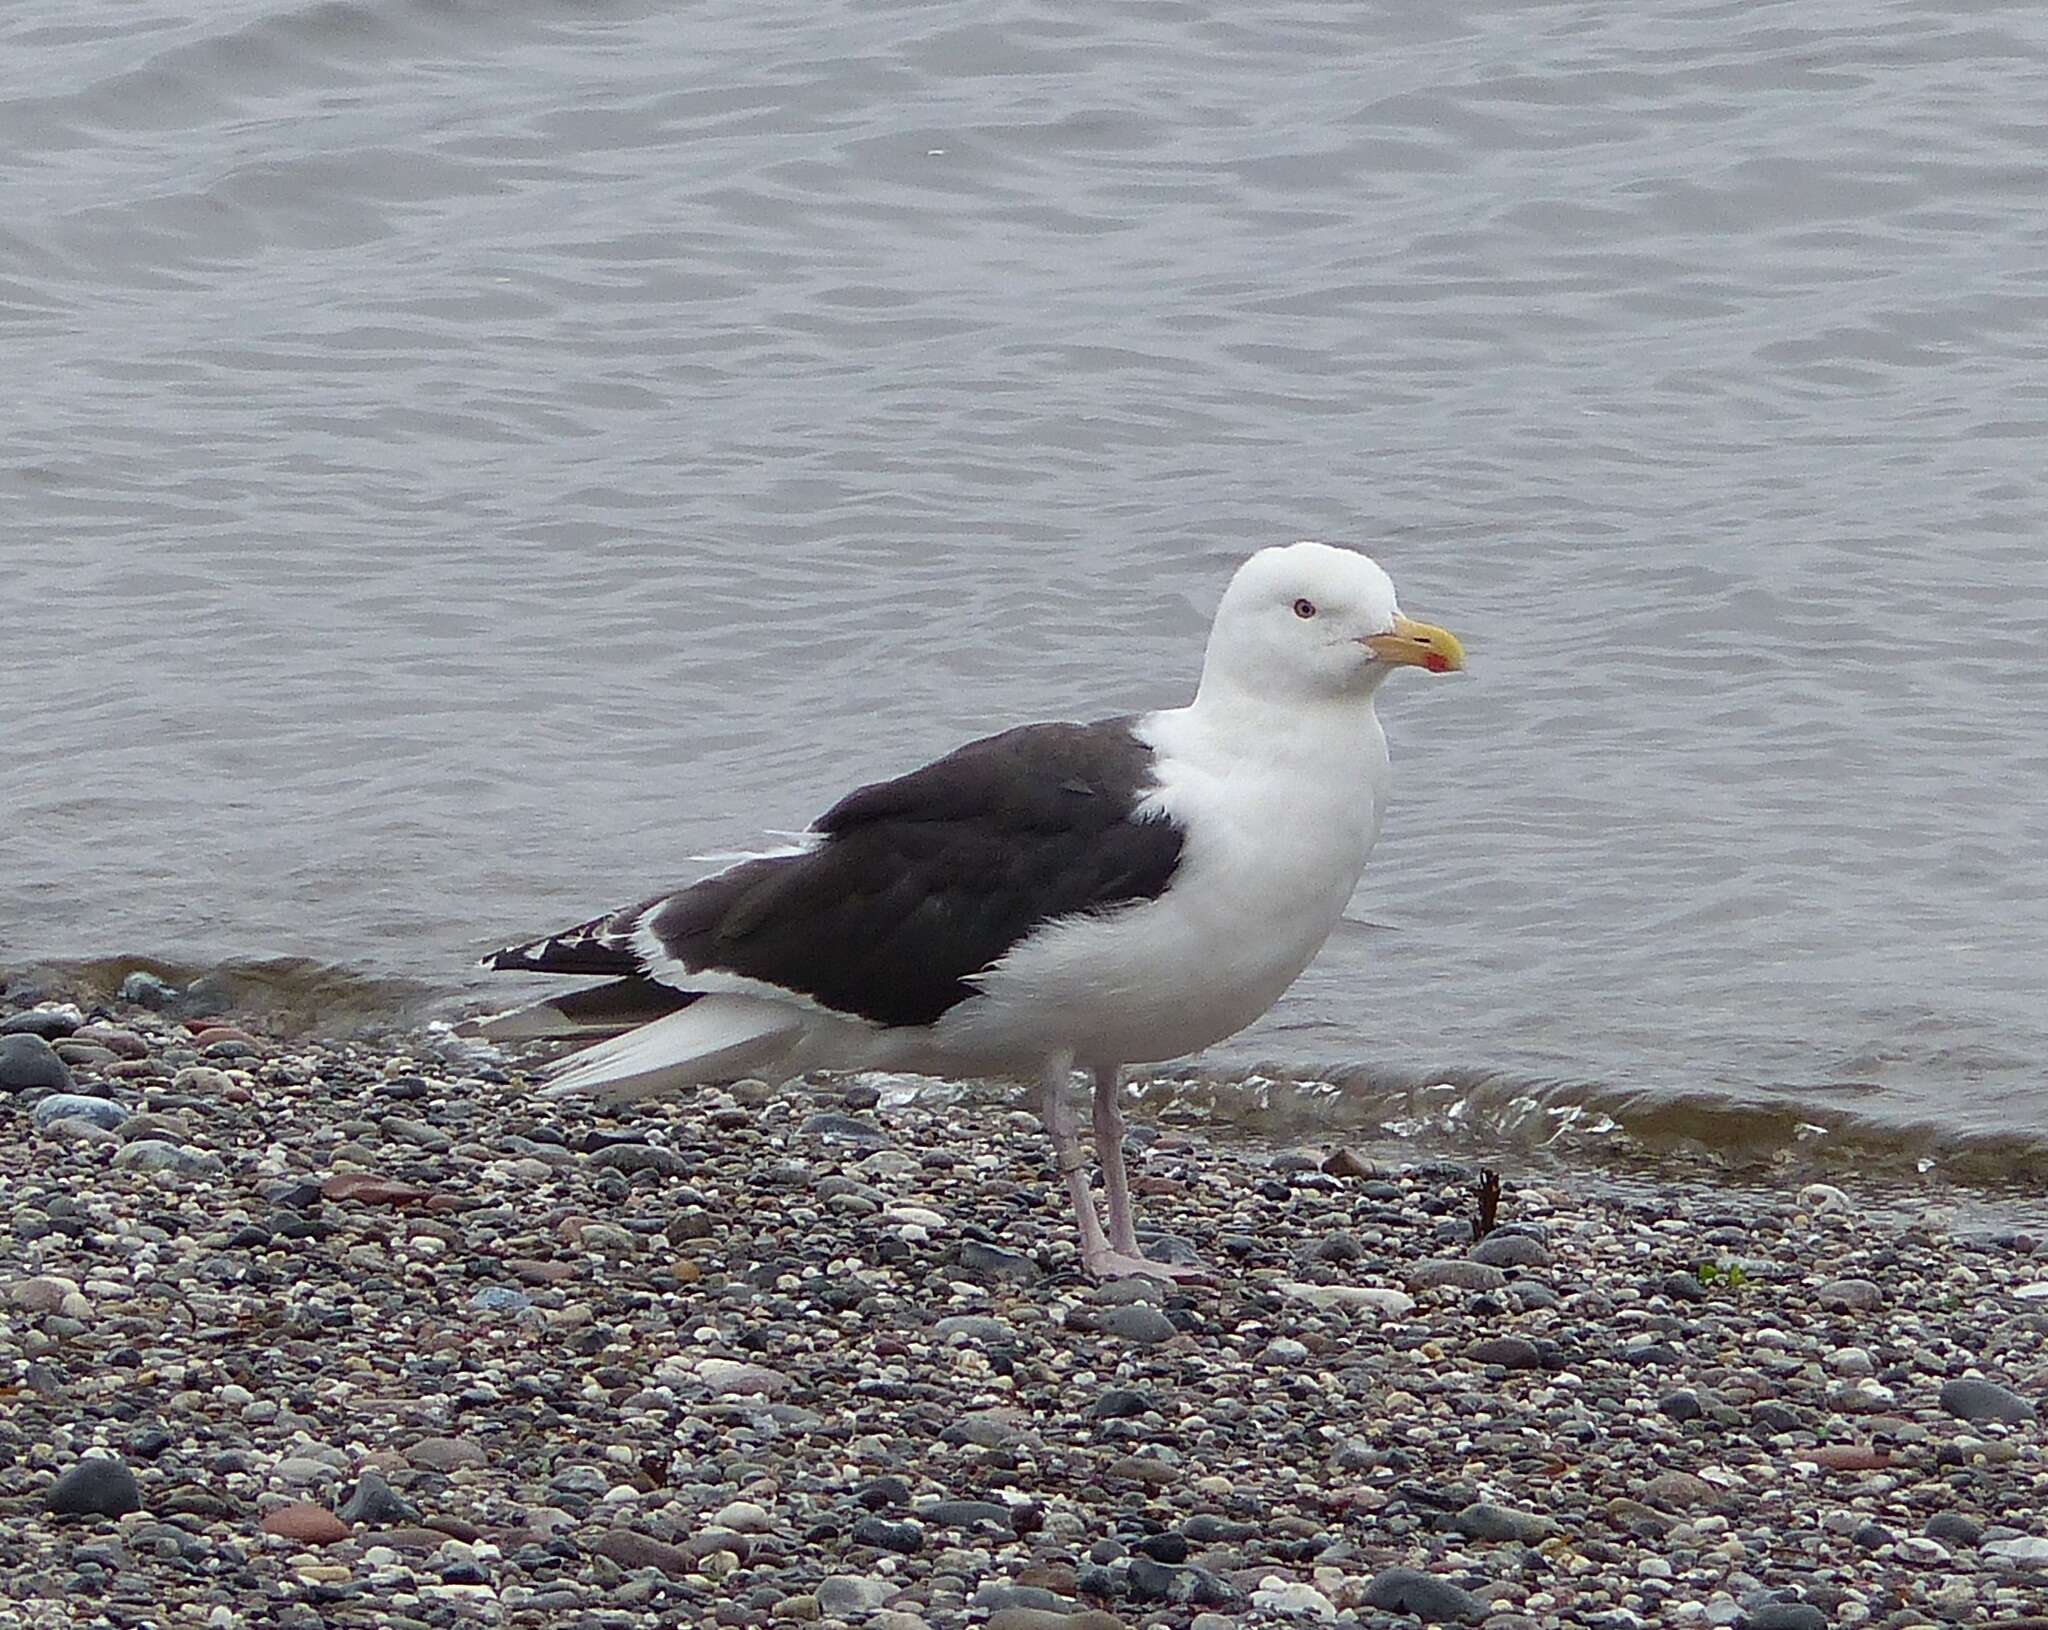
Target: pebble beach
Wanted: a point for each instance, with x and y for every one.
(309, 1332)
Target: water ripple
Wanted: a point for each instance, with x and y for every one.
(470, 458)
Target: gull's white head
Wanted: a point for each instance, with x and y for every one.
(1311, 621)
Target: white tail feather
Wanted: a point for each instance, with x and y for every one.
(713, 1039)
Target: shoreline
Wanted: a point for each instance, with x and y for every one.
(741, 1358)
(1565, 1126)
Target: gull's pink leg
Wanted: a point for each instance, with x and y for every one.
(1122, 1258)
(1060, 1126)
(1109, 1151)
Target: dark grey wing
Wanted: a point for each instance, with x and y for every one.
(922, 882)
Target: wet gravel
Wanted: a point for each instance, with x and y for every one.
(306, 1333)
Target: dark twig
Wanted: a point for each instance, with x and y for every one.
(1488, 1190)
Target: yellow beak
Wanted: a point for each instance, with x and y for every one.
(1419, 645)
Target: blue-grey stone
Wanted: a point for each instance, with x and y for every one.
(79, 1106)
(500, 1299)
(30, 1064)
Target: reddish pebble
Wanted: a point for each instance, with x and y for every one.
(1850, 1457)
(529, 1271)
(307, 1523)
(123, 1043)
(207, 1035)
(371, 1189)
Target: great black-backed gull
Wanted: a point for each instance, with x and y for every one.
(1053, 898)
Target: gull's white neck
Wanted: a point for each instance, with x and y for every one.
(1332, 738)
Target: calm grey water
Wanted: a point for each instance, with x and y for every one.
(463, 459)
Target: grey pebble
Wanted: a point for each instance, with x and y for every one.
(144, 989)
(905, 1538)
(1784, 1616)
(880, 1493)
(974, 1326)
(845, 1129)
(1953, 1528)
(1972, 1399)
(983, 1428)
(1509, 1352)
(30, 1064)
(1139, 1322)
(1485, 1521)
(1151, 1581)
(633, 1550)
(964, 1514)
(1850, 1295)
(49, 1023)
(1507, 1250)
(377, 1503)
(1455, 1273)
(157, 1155)
(842, 1595)
(95, 1487)
(1206, 1528)
(1432, 1600)
(993, 1262)
(644, 1157)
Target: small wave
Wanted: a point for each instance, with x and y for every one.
(1486, 1114)
(290, 996)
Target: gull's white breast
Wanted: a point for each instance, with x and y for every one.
(1275, 841)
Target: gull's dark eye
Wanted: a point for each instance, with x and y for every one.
(1304, 608)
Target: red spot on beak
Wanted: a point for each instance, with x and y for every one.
(1437, 663)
